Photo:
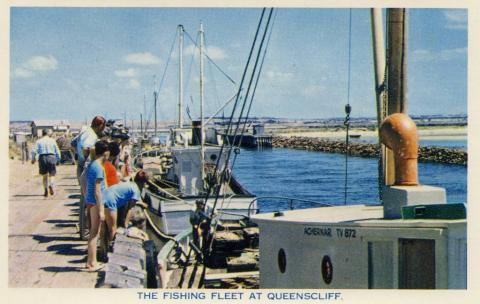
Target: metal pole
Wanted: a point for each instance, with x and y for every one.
(155, 94)
(141, 125)
(202, 137)
(145, 109)
(180, 77)
(379, 66)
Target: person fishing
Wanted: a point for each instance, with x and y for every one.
(124, 196)
(49, 156)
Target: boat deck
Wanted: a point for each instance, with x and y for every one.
(354, 215)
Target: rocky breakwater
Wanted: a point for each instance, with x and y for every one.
(425, 154)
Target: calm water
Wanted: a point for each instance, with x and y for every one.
(320, 177)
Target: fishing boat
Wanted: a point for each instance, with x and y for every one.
(183, 169)
(413, 240)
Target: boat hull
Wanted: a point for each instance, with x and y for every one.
(173, 216)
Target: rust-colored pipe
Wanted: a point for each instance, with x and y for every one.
(399, 133)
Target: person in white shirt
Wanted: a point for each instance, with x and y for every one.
(48, 157)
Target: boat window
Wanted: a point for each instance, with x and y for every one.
(282, 260)
(213, 157)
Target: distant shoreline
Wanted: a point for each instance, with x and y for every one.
(424, 132)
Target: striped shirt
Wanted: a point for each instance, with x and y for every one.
(46, 145)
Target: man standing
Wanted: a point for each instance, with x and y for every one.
(95, 185)
(200, 221)
(86, 141)
(49, 155)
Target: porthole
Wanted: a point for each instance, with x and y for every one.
(327, 269)
(213, 157)
(282, 260)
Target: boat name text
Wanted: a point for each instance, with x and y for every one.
(346, 233)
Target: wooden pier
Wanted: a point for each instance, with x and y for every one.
(43, 245)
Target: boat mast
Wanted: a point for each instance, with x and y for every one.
(180, 76)
(145, 110)
(202, 142)
(397, 74)
(397, 68)
(155, 95)
(379, 67)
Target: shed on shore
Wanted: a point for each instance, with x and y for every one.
(54, 125)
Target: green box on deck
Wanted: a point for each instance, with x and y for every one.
(437, 211)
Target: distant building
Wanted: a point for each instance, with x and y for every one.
(60, 126)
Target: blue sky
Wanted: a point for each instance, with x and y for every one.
(72, 63)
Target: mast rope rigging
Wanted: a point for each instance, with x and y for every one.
(240, 116)
(190, 67)
(223, 175)
(229, 125)
(210, 59)
(256, 84)
(164, 73)
(348, 108)
(212, 76)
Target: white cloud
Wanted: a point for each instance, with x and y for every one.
(41, 63)
(129, 73)
(422, 55)
(279, 76)
(214, 52)
(36, 63)
(457, 19)
(313, 90)
(133, 84)
(453, 53)
(22, 73)
(142, 58)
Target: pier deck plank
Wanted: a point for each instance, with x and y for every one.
(43, 245)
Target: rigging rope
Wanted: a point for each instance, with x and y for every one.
(210, 59)
(229, 127)
(348, 108)
(190, 67)
(222, 176)
(164, 73)
(256, 83)
(210, 187)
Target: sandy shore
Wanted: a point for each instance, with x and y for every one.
(439, 133)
